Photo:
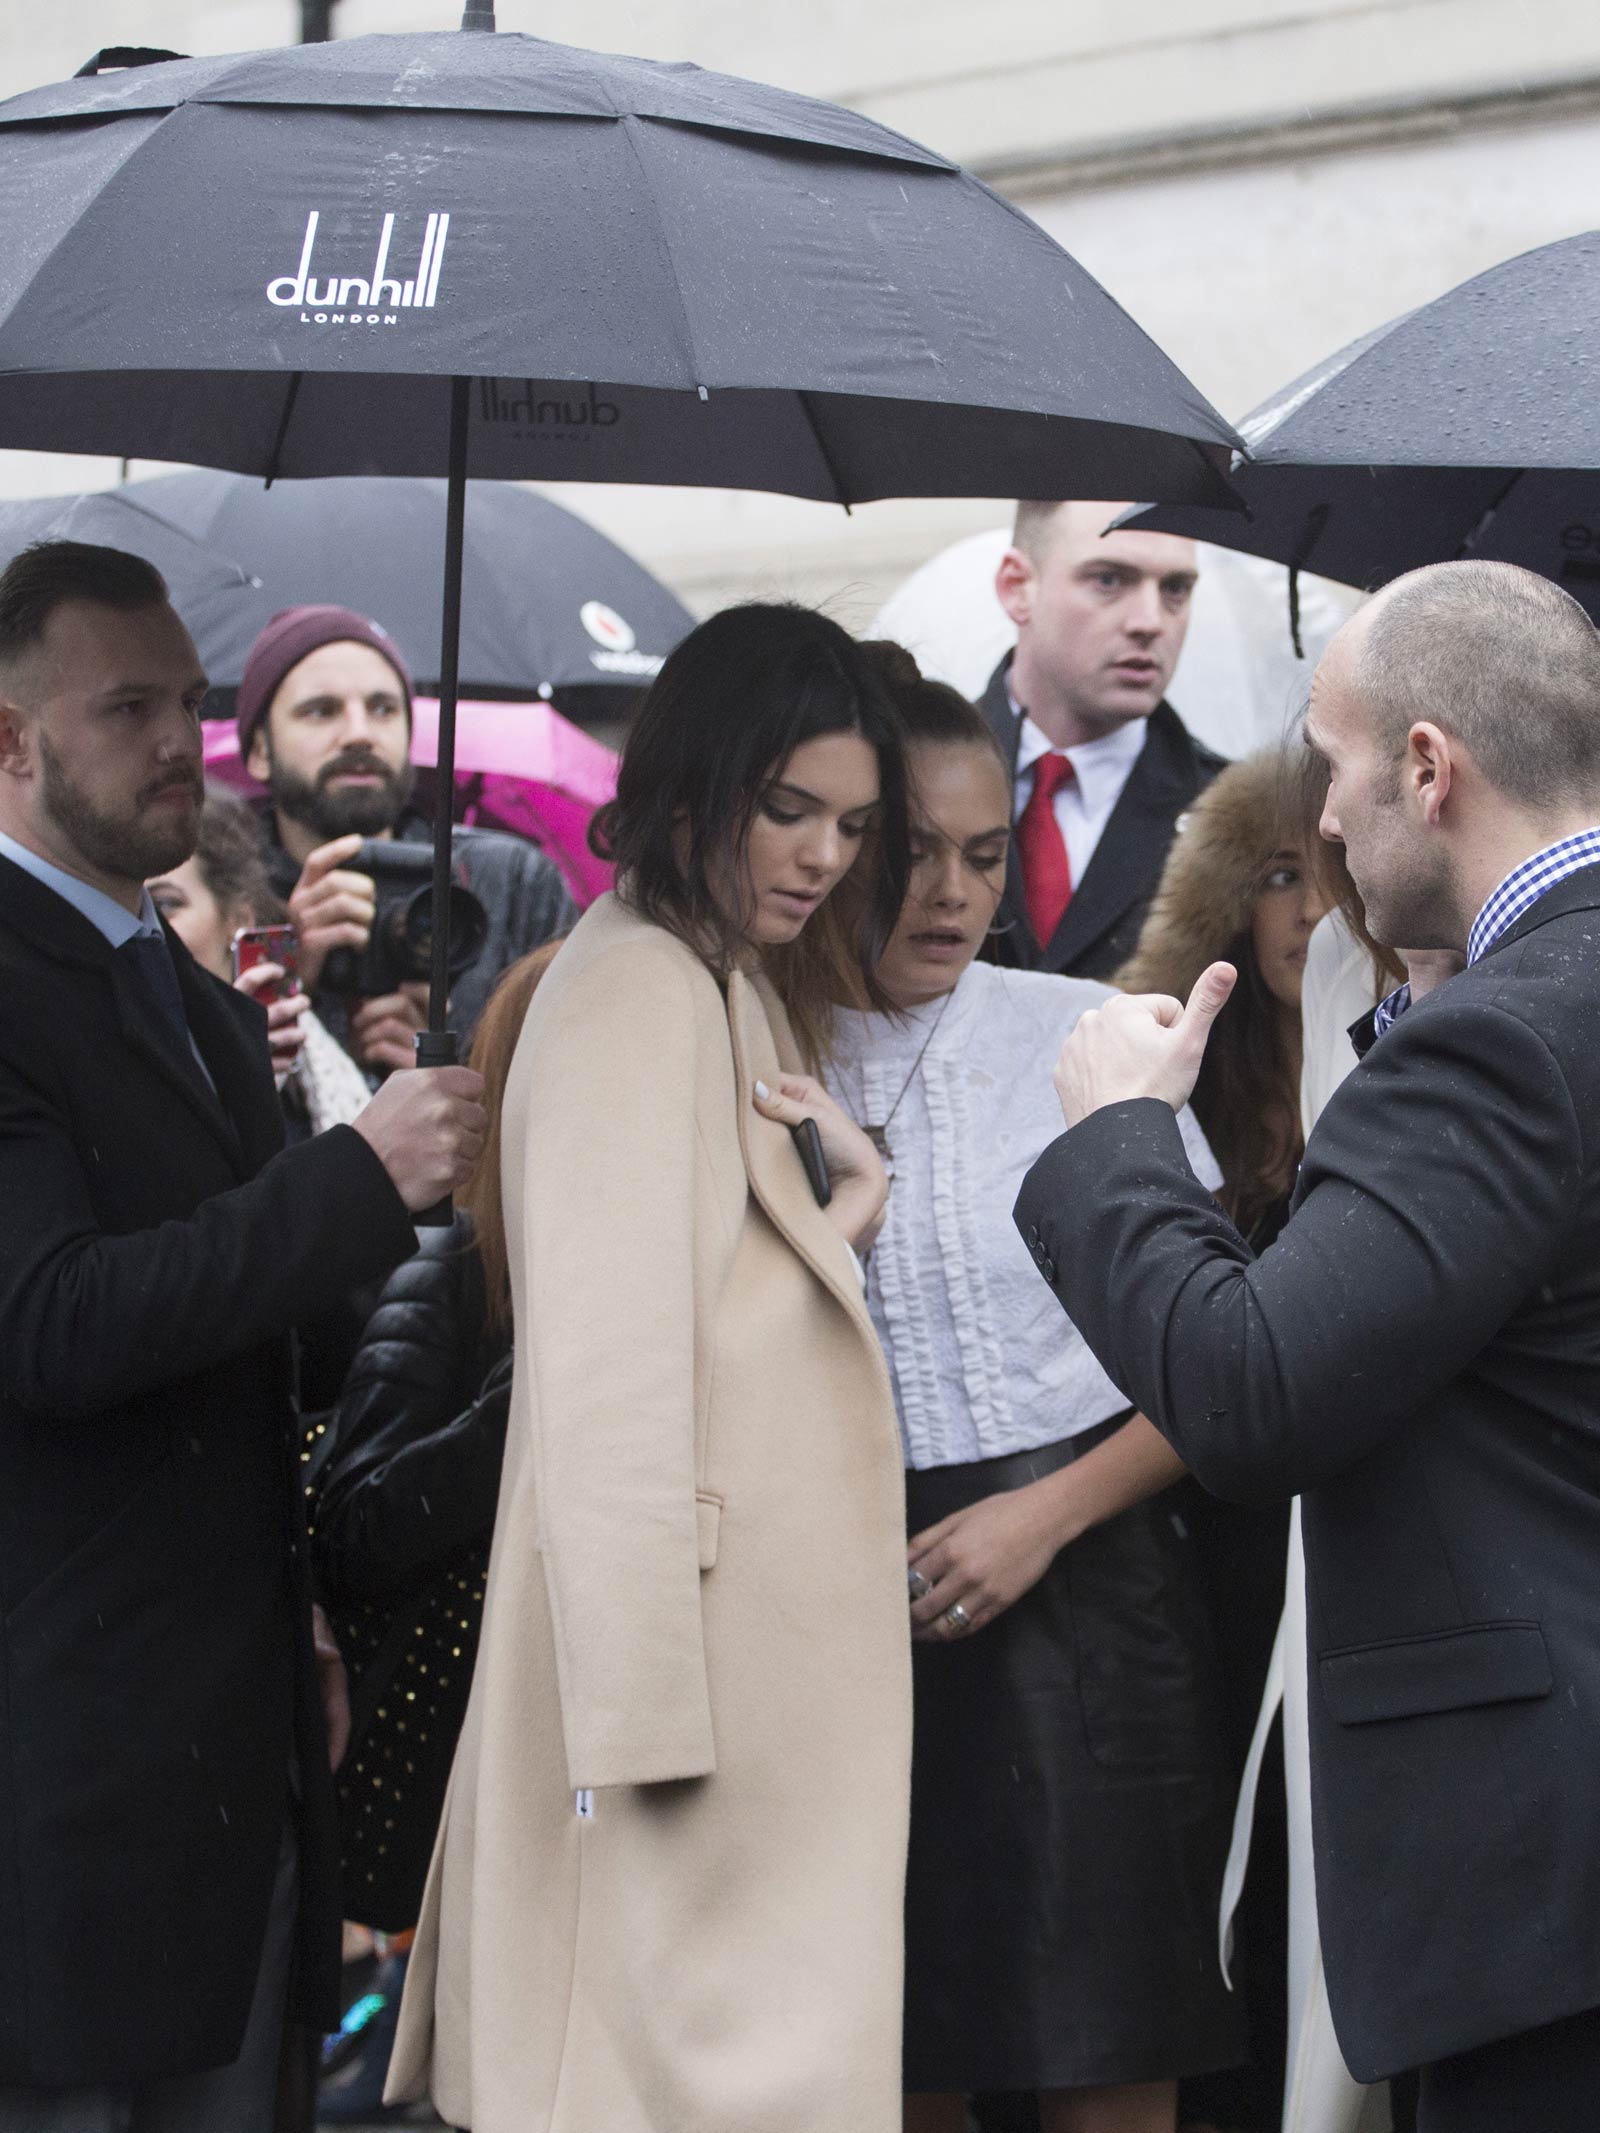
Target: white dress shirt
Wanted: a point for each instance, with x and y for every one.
(982, 1358)
(1084, 802)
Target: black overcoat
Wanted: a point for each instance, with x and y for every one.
(156, 1678)
(1419, 1354)
(1099, 929)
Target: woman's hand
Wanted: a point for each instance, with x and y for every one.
(985, 1558)
(285, 1038)
(855, 1168)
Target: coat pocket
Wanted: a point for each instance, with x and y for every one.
(708, 1525)
(1449, 1670)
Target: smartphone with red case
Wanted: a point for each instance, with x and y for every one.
(269, 944)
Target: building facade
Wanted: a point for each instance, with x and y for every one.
(1256, 181)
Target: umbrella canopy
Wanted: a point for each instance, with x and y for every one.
(1470, 427)
(652, 273)
(549, 605)
(519, 767)
(214, 595)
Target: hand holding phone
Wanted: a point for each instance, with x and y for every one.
(278, 945)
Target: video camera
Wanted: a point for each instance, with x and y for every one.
(400, 947)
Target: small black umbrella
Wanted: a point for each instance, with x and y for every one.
(1469, 427)
(492, 255)
(549, 606)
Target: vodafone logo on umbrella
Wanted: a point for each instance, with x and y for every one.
(619, 653)
(377, 296)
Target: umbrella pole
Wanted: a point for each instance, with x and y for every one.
(436, 1045)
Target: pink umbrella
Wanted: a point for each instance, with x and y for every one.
(519, 767)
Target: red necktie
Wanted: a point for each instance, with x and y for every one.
(1046, 869)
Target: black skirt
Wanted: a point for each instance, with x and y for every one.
(1070, 1815)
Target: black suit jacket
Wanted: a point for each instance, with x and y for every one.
(1100, 928)
(156, 1679)
(1419, 1353)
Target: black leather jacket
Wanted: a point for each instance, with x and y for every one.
(414, 1471)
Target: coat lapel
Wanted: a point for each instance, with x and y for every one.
(772, 1162)
(230, 1032)
(144, 1029)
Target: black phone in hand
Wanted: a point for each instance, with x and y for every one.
(809, 1142)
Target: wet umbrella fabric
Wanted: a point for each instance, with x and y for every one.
(654, 274)
(549, 604)
(1469, 427)
(490, 255)
(213, 593)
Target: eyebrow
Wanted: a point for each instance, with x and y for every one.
(811, 799)
(124, 689)
(1125, 569)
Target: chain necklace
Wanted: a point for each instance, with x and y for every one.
(879, 1135)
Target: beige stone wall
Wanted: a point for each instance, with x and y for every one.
(1256, 180)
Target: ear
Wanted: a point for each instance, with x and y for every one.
(16, 756)
(259, 760)
(1015, 581)
(1430, 768)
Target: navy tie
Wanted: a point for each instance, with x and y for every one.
(151, 958)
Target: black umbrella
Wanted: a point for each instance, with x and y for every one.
(1470, 427)
(549, 606)
(492, 255)
(213, 593)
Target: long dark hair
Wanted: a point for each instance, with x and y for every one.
(726, 712)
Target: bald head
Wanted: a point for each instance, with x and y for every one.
(1498, 658)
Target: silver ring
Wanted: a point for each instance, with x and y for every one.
(957, 1617)
(918, 1585)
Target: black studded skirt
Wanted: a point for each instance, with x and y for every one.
(1071, 1808)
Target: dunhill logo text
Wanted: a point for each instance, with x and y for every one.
(371, 299)
(537, 410)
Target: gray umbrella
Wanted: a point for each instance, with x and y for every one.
(447, 254)
(1470, 427)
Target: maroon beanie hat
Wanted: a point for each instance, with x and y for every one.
(286, 640)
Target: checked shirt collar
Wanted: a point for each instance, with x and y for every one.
(1513, 899)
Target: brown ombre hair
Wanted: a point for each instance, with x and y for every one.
(494, 1044)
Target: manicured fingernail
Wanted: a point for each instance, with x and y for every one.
(763, 1092)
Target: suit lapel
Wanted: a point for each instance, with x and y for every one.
(228, 1029)
(1125, 866)
(145, 1030)
(772, 1162)
(1006, 727)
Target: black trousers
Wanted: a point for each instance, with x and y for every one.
(1543, 2081)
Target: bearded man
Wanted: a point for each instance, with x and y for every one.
(1418, 1354)
(324, 715)
(168, 1863)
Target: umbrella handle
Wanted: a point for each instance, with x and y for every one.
(437, 1048)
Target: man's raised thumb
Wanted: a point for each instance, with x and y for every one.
(1209, 997)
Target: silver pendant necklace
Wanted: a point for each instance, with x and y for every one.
(879, 1135)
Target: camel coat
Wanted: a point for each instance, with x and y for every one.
(666, 1895)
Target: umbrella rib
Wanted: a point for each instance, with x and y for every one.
(815, 428)
(284, 420)
(628, 122)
